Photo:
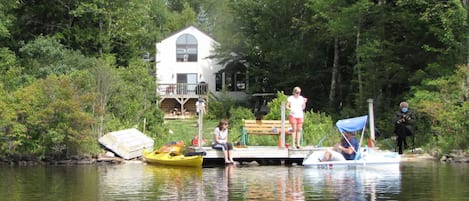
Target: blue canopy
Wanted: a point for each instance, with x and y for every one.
(352, 124)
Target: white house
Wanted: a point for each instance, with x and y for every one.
(185, 72)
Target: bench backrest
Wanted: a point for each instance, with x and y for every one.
(264, 127)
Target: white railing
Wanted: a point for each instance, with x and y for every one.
(182, 89)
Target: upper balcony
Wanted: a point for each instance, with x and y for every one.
(182, 90)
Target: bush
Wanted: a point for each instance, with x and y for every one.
(237, 115)
(275, 107)
(317, 126)
(318, 129)
(443, 103)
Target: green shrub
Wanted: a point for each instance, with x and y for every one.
(316, 126)
(237, 115)
(275, 107)
(219, 109)
(443, 103)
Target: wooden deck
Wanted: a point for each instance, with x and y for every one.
(264, 155)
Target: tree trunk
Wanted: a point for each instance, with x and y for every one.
(335, 70)
(358, 69)
(466, 44)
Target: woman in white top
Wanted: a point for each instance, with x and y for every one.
(296, 104)
(220, 141)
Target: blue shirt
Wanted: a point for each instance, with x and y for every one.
(354, 143)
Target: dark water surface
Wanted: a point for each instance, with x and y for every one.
(423, 180)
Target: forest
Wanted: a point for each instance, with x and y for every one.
(73, 70)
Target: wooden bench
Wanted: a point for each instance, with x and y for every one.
(263, 127)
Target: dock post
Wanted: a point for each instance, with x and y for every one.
(282, 132)
(372, 123)
(201, 110)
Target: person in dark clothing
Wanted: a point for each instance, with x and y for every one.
(404, 125)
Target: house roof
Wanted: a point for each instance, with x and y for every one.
(188, 27)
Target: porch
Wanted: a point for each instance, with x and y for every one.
(178, 100)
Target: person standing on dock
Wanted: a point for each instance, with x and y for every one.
(296, 104)
(220, 141)
(404, 125)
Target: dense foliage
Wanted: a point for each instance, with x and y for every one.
(343, 53)
(71, 71)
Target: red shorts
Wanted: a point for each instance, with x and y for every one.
(294, 120)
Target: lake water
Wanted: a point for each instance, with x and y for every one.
(423, 180)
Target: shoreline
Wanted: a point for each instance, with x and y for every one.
(104, 159)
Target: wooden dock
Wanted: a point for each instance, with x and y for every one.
(263, 155)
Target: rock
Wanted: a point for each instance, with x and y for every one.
(418, 151)
(443, 159)
(86, 162)
(109, 154)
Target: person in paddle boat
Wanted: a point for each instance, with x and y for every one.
(404, 121)
(346, 149)
(296, 103)
(220, 141)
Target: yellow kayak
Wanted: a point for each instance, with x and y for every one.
(167, 159)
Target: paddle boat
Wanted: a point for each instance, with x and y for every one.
(364, 156)
(171, 154)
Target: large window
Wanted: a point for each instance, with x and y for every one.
(186, 83)
(186, 48)
(234, 81)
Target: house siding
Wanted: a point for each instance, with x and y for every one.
(167, 68)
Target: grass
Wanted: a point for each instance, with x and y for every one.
(186, 129)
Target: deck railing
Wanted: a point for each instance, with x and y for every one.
(182, 89)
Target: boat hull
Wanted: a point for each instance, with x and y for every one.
(375, 160)
(167, 159)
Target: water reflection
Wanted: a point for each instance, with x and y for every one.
(264, 183)
(147, 182)
(176, 183)
(294, 186)
(354, 183)
(409, 181)
(220, 184)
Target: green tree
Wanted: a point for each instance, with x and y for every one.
(6, 18)
(267, 38)
(10, 72)
(343, 22)
(9, 128)
(51, 110)
(444, 107)
(46, 55)
(106, 81)
(134, 98)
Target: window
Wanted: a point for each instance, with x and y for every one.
(186, 83)
(186, 48)
(234, 81)
(219, 82)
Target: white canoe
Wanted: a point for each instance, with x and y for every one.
(371, 159)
